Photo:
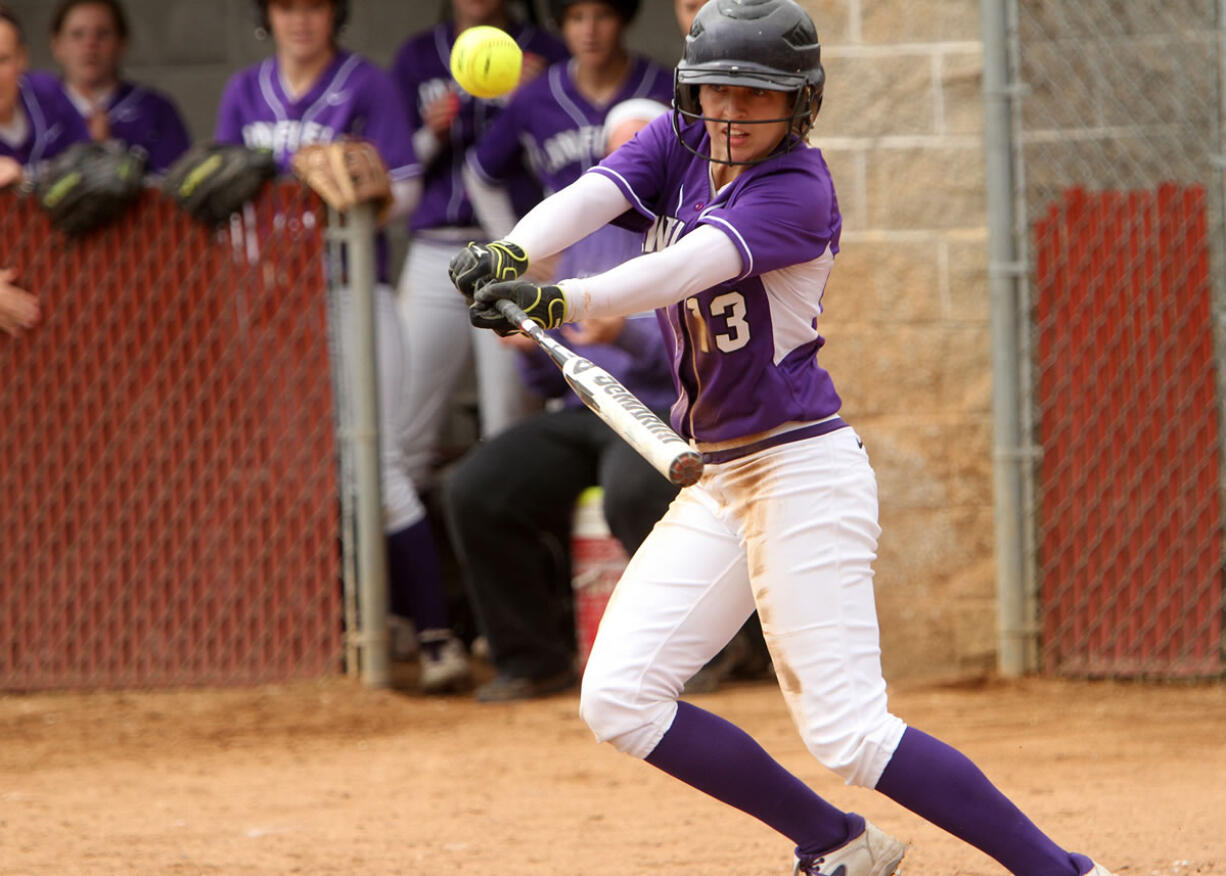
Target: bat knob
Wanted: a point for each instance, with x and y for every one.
(686, 468)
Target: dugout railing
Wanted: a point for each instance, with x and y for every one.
(171, 512)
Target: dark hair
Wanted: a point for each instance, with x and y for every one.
(118, 17)
(8, 15)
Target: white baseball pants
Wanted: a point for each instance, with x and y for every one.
(793, 531)
(401, 505)
(438, 344)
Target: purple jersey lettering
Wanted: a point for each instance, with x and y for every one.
(53, 123)
(555, 128)
(744, 352)
(352, 97)
(422, 74)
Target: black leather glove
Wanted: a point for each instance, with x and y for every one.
(544, 305)
(481, 263)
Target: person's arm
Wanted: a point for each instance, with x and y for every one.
(491, 203)
(11, 172)
(18, 308)
(704, 258)
(406, 195)
(590, 202)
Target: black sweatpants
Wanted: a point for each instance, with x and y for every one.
(509, 508)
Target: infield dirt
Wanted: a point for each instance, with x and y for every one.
(332, 778)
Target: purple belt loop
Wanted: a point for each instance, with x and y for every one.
(717, 457)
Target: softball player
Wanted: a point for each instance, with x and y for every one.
(311, 91)
(36, 120)
(743, 227)
(88, 39)
(446, 121)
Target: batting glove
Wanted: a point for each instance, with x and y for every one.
(478, 264)
(544, 305)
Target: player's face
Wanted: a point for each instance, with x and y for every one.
(88, 46)
(729, 107)
(12, 65)
(686, 10)
(592, 32)
(478, 11)
(302, 29)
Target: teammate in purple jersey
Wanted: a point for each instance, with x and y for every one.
(744, 226)
(19, 308)
(312, 91)
(36, 121)
(88, 40)
(556, 123)
(446, 121)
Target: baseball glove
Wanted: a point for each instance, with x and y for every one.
(344, 173)
(213, 180)
(89, 184)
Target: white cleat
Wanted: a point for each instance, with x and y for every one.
(449, 671)
(872, 853)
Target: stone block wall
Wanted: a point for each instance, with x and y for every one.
(907, 316)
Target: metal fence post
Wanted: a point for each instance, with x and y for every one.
(357, 235)
(1004, 270)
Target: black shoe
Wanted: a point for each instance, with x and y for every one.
(505, 688)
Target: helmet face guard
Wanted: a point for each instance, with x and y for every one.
(686, 106)
(764, 44)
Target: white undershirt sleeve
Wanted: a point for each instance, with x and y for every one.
(490, 202)
(590, 202)
(406, 195)
(703, 258)
(426, 144)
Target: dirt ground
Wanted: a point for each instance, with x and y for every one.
(331, 777)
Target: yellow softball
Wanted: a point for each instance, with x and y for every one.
(486, 61)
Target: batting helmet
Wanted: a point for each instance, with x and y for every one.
(767, 44)
(340, 7)
(627, 9)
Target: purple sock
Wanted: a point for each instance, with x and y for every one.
(941, 785)
(414, 582)
(720, 759)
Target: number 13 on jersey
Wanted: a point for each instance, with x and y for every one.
(727, 312)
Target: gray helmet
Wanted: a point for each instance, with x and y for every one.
(767, 44)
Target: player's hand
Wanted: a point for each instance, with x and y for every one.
(440, 113)
(10, 172)
(545, 305)
(519, 342)
(481, 263)
(596, 330)
(18, 308)
(533, 66)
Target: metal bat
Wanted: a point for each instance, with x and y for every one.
(626, 415)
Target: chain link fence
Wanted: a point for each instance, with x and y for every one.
(1119, 159)
(170, 511)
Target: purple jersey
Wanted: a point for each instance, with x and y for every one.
(555, 127)
(352, 97)
(422, 73)
(744, 353)
(53, 123)
(146, 118)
